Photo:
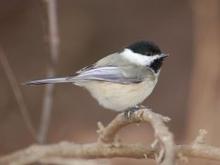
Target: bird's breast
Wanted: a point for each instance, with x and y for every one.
(120, 97)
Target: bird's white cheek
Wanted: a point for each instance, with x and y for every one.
(136, 58)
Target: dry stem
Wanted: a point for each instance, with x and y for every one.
(162, 133)
(17, 93)
(106, 148)
(36, 153)
(54, 52)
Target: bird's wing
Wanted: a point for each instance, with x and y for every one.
(109, 60)
(85, 69)
(108, 73)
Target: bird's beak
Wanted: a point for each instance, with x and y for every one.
(164, 56)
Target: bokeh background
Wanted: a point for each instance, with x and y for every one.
(187, 91)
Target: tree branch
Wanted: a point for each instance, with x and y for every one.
(54, 53)
(107, 146)
(162, 133)
(17, 93)
(107, 134)
(36, 153)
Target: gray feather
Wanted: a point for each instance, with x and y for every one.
(110, 74)
(48, 81)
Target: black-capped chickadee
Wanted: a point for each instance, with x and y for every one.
(119, 81)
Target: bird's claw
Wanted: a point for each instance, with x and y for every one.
(128, 113)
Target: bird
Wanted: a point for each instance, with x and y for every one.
(120, 81)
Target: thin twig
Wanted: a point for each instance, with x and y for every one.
(17, 93)
(162, 133)
(54, 53)
(200, 139)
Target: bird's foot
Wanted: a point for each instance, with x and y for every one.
(128, 113)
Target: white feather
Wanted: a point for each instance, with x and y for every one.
(138, 58)
(119, 97)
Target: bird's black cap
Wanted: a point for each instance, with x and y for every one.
(147, 48)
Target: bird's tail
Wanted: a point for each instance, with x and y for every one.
(49, 81)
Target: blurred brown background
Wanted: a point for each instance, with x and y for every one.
(188, 89)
